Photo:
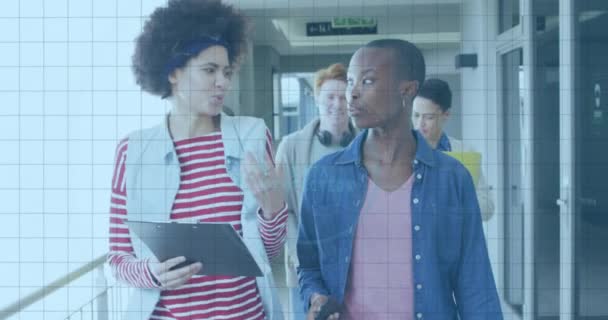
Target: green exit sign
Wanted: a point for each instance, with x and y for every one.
(354, 22)
(342, 26)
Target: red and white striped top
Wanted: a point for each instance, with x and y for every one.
(206, 193)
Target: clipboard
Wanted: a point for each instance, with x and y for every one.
(471, 160)
(216, 245)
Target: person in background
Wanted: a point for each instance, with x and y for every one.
(431, 112)
(389, 227)
(197, 165)
(330, 132)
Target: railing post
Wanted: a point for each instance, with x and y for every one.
(102, 299)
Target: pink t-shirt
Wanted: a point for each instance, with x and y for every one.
(380, 280)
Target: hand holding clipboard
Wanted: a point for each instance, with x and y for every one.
(216, 245)
(169, 275)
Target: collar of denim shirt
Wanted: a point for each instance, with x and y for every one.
(444, 143)
(353, 153)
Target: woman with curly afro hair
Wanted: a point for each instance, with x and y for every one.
(198, 165)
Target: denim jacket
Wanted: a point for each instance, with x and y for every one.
(152, 182)
(451, 269)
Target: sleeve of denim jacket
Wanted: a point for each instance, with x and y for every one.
(475, 290)
(309, 270)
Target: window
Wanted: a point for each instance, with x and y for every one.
(508, 14)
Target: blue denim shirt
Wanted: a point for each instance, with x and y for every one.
(451, 272)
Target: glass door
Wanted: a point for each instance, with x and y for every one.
(515, 62)
(546, 127)
(591, 160)
(515, 75)
(512, 110)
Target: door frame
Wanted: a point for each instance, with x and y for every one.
(520, 37)
(567, 200)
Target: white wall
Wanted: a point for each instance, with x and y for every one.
(480, 120)
(440, 64)
(68, 96)
(440, 60)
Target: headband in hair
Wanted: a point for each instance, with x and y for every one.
(192, 49)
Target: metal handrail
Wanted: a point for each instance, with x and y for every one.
(43, 292)
(100, 295)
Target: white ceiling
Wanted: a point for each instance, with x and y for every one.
(302, 4)
(282, 23)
